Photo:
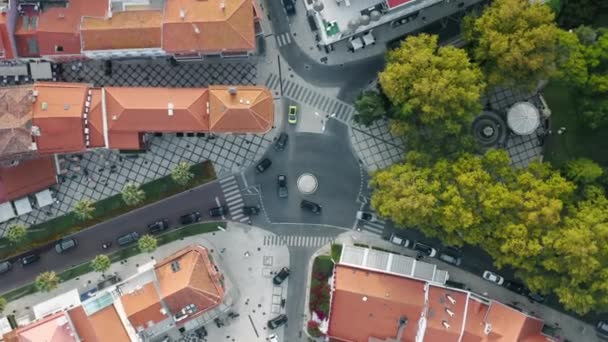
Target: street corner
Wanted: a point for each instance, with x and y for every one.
(253, 268)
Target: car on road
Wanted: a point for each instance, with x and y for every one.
(128, 238)
(450, 258)
(29, 259)
(425, 249)
(218, 211)
(517, 287)
(292, 115)
(536, 297)
(399, 241)
(277, 321)
(312, 206)
(251, 210)
(64, 245)
(190, 218)
(282, 186)
(493, 277)
(273, 338)
(602, 329)
(290, 7)
(280, 277)
(158, 227)
(5, 266)
(281, 142)
(366, 216)
(263, 165)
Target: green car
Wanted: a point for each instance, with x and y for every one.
(292, 116)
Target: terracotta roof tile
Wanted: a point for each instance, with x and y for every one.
(250, 110)
(27, 177)
(15, 120)
(143, 306)
(219, 29)
(509, 324)
(108, 326)
(125, 30)
(96, 120)
(195, 282)
(475, 322)
(67, 19)
(369, 304)
(54, 328)
(83, 326)
(437, 313)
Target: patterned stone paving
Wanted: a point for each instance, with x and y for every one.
(102, 173)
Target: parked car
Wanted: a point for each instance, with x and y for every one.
(312, 206)
(281, 142)
(263, 165)
(251, 210)
(450, 258)
(190, 218)
(290, 7)
(158, 226)
(128, 238)
(292, 115)
(366, 216)
(273, 338)
(65, 245)
(516, 287)
(493, 277)
(5, 266)
(398, 240)
(425, 249)
(536, 297)
(602, 329)
(277, 321)
(281, 276)
(29, 259)
(282, 186)
(218, 211)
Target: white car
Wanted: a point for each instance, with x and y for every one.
(366, 216)
(273, 338)
(397, 240)
(493, 277)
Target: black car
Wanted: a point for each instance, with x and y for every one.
(128, 239)
(263, 165)
(5, 266)
(29, 259)
(290, 7)
(282, 185)
(251, 210)
(425, 249)
(536, 297)
(516, 287)
(277, 321)
(218, 211)
(158, 226)
(312, 206)
(279, 145)
(601, 328)
(190, 218)
(450, 258)
(64, 245)
(281, 276)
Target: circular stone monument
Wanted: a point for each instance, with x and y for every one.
(523, 118)
(307, 183)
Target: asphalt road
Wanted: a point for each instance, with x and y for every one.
(90, 240)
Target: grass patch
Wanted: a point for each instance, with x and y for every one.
(323, 265)
(122, 254)
(336, 252)
(578, 140)
(322, 270)
(52, 230)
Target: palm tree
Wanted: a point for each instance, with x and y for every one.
(16, 232)
(147, 243)
(84, 209)
(181, 173)
(132, 194)
(47, 281)
(101, 263)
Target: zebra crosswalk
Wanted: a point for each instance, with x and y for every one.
(283, 39)
(234, 198)
(376, 227)
(344, 111)
(297, 240)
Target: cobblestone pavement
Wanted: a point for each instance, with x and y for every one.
(376, 146)
(103, 173)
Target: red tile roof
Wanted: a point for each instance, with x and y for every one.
(250, 110)
(96, 120)
(196, 281)
(509, 324)
(15, 121)
(108, 326)
(143, 307)
(396, 3)
(125, 30)
(440, 309)
(54, 328)
(27, 177)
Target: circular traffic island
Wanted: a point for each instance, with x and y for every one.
(307, 183)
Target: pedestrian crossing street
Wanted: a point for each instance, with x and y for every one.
(283, 39)
(297, 240)
(233, 198)
(344, 111)
(372, 227)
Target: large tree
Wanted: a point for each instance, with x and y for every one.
(16, 232)
(46, 281)
(574, 13)
(181, 173)
(514, 41)
(84, 209)
(372, 105)
(132, 194)
(101, 263)
(435, 90)
(147, 243)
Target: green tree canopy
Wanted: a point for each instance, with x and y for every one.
(2, 304)
(583, 170)
(574, 13)
(132, 194)
(101, 263)
(16, 232)
(84, 209)
(147, 243)
(514, 41)
(46, 281)
(435, 90)
(181, 173)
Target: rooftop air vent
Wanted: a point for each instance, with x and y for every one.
(452, 300)
(66, 106)
(182, 13)
(170, 108)
(223, 5)
(175, 266)
(44, 106)
(364, 299)
(446, 324)
(36, 131)
(450, 312)
(487, 329)
(196, 29)
(232, 90)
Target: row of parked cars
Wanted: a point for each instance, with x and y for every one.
(279, 320)
(450, 255)
(513, 286)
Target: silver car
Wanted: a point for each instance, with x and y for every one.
(65, 245)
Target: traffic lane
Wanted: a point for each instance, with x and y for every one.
(91, 239)
(296, 292)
